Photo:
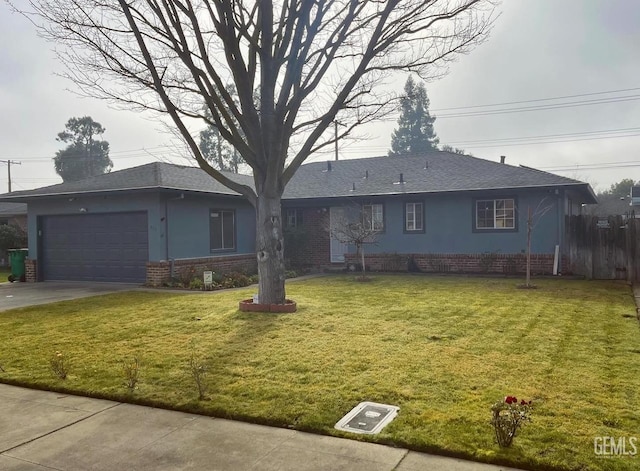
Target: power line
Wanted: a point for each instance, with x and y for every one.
(546, 136)
(137, 153)
(555, 106)
(594, 166)
(537, 99)
(524, 140)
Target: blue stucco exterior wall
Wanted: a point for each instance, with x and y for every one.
(149, 202)
(189, 234)
(178, 226)
(449, 225)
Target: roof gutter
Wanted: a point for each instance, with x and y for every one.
(11, 197)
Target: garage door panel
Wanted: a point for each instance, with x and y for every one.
(95, 247)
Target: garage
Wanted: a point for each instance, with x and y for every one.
(94, 247)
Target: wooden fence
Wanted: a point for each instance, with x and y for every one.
(603, 248)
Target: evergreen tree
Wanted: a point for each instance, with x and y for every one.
(214, 148)
(85, 156)
(415, 133)
(218, 151)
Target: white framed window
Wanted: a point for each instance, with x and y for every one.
(373, 216)
(496, 214)
(413, 217)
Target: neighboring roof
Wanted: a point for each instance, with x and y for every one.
(609, 205)
(432, 173)
(13, 209)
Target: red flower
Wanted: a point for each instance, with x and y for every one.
(510, 399)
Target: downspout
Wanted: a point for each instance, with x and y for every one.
(561, 211)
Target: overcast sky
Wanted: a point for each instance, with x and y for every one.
(538, 49)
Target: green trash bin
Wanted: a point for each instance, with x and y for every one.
(16, 260)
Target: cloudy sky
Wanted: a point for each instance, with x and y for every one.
(561, 80)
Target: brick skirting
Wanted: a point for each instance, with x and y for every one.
(30, 270)
(541, 264)
(160, 272)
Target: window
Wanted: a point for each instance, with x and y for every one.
(413, 217)
(4, 221)
(222, 229)
(373, 216)
(293, 218)
(495, 214)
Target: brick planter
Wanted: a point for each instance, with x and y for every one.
(248, 305)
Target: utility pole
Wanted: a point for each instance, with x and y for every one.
(9, 162)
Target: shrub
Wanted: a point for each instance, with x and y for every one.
(12, 237)
(59, 365)
(131, 373)
(254, 279)
(235, 280)
(198, 370)
(196, 283)
(507, 417)
(186, 276)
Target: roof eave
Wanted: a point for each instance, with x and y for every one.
(350, 194)
(8, 198)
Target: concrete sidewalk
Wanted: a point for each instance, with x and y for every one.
(42, 431)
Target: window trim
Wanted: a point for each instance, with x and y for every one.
(235, 232)
(299, 218)
(384, 214)
(474, 211)
(414, 231)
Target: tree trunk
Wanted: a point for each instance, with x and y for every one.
(270, 250)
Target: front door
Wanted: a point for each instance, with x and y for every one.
(338, 249)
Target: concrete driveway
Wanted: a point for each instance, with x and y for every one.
(13, 295)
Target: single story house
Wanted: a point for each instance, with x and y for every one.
(445, 211)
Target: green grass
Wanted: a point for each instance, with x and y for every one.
(441, 348)
(4, 273)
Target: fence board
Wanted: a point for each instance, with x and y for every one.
(603, 248)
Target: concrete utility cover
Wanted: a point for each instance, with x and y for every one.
(367, 417)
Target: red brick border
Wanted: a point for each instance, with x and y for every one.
(160, 272)
(458, 263)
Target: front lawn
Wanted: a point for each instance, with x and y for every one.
(443, 349)
(4, 274)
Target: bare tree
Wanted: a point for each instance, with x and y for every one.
(533, 218)
(357, 227)
(310, 62)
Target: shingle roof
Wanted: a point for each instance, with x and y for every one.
(13, 209)
(431, 173)
(155, 175)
